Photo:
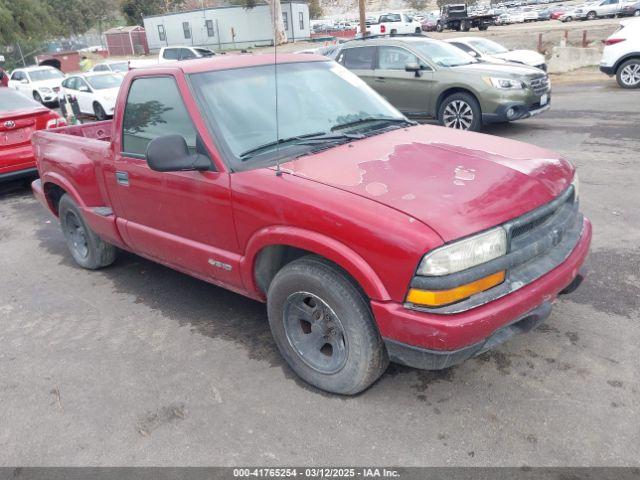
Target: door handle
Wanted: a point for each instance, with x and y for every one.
(122, 178)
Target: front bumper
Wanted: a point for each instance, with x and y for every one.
(450, 333)
(523, 109)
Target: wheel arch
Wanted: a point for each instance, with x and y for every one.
(54, 187)
(624, 58)
(451, 91)
(274, 247)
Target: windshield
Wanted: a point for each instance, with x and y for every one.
(120, 67)
(443, 54)
(48, 74)
(102, 82)
(487, 47)
(313, 97)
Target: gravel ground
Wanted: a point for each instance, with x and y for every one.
(140, 365)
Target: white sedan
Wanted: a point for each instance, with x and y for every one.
(490, 51)
(40, 83)
(96, 93)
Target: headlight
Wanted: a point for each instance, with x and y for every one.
(45, 89)
(505, 83)
(465, 253)
(576, 186)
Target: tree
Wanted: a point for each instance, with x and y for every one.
(135, 10)
(418, 5)
(279, 34)
(315, 9)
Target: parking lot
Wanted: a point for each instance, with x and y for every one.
(140, 365)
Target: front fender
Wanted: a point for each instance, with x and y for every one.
(316, 243)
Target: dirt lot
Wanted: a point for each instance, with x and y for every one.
(140, 365)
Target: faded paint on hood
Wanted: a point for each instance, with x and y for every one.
(457, 183)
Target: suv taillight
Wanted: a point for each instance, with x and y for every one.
(613, 41)
(383, 28)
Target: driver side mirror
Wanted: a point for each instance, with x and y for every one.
(171, 154)
(24, 81)
(413, 67)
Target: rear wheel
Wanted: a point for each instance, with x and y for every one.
(88, 250)
(418, 31)
(628, 74)
(99, 112)
(483, 27)
(323, 327)
(464, 26)
(460, 111)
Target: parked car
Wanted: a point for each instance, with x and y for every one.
(429, 23)
(369, 239)
(630, 9)
(557, 13)
(426, 78)
(115, 67)
(530, 14)
(172, 54)
(40, 83)
(544, 14)
(96, 93)
(490, 51)
(568, 15)
(20, 116)
(392, 23)
(4, 78)
(602, 8)
(621, 54)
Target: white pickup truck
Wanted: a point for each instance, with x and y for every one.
(392, 23)
(173, 54)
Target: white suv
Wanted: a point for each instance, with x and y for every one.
(621, 54)
(40, 83)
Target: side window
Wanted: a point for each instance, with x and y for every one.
(154, 108)
(285, 20)
(17, 76)
(186, 28)
(99, 68)
(82, 85)
(186, 54)
(210, 31)
(359, 58)
(162, 36)
(301, 19)
(394, 58)
(170, 54)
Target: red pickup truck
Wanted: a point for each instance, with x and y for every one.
(370, 238)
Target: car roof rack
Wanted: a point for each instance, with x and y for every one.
(390, 35)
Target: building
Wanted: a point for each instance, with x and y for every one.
(64, 61)
(126, 41)
(226, 27)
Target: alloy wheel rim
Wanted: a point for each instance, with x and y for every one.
(458, 114)
(315, 332)
(77, 235)
(630, 75)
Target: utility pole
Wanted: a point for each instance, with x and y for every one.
(363, 19)
(21, 56)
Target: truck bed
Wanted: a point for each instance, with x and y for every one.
(97, 130)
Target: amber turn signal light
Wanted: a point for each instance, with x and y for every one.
(438, 298)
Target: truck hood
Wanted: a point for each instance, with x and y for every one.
(509, 70)
(455, 182)
(528, 57)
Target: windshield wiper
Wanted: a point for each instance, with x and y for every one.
(306, 139)
(364, 120)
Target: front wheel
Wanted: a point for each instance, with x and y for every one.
(323, 327)
(461, 111)
(99, 112)
(591, 16)
(439, 27)
(37, 97)
(628, 74)
(88, 250)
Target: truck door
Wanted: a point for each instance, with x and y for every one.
(182, 219)
(406, 91)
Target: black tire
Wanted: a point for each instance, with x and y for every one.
(37, 98)
(628, 74)
(591, 15)
(636, 13)
(418, 31)
(99, 112)
(439, 27)
(465, 26)
(323, 327)
(87, 249)
(393, 32)
(466, 110)
(483, 27)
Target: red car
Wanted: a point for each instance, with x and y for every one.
(19, 118)
(429, 25)
(370, 238)
(556, 14)
(4, 78)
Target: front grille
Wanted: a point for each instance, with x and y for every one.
(540, 84)
(557, 215)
